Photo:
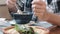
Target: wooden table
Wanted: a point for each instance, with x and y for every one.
(55, 31)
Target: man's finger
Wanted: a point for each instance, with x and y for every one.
(13, 0)
(38, 2)
(39, 10)
(38, 6)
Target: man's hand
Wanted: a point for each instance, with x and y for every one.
(11, 4)
(39, 8)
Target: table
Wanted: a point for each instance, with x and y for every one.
(3, 25)
(55, 31)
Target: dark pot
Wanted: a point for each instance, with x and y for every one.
(22, 19)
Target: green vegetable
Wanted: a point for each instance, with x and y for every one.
(22, 29)
(18, 28)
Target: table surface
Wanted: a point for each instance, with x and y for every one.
(55, 31)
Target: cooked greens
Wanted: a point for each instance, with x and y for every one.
(22, 29)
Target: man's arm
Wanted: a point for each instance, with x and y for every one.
(39, 8)
(54, 19)
(11, 5)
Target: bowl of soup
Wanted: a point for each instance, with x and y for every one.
(22, 18)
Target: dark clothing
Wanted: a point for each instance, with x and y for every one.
(54, 5)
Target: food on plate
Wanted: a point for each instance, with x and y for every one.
(23, 29)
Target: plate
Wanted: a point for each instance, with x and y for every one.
(37, 29)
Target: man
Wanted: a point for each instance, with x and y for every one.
(39, 8)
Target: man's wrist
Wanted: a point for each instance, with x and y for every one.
(12, 9)
(46, 16)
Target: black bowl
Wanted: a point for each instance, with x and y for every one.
(22, 18)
